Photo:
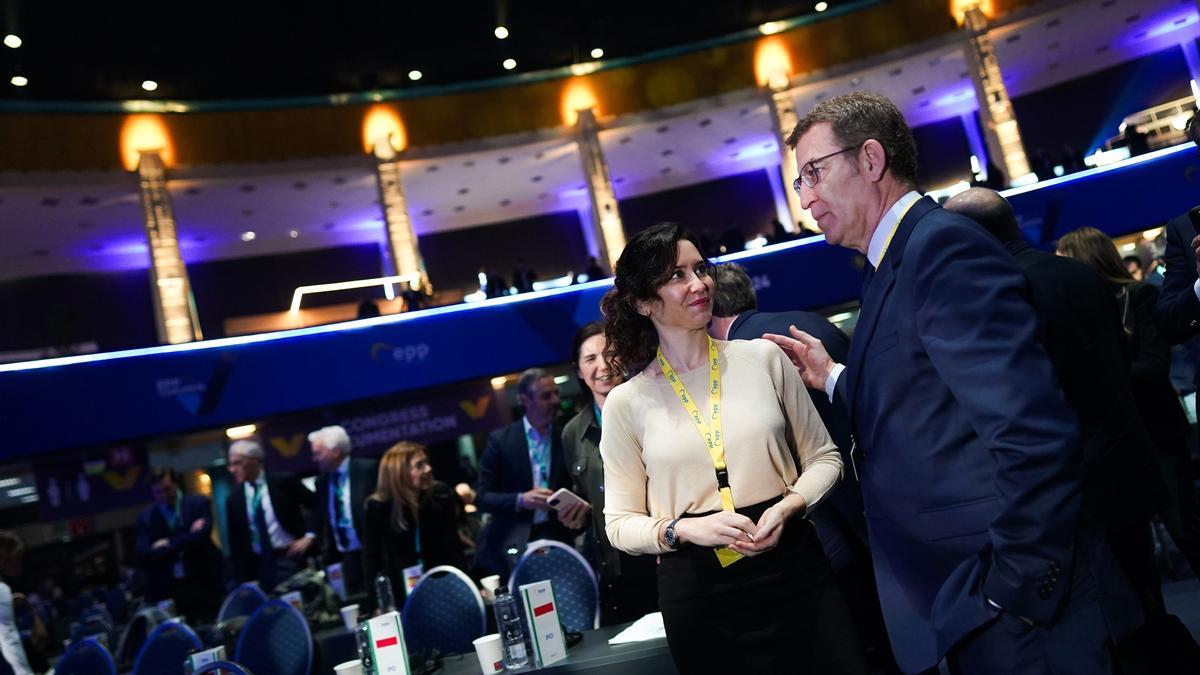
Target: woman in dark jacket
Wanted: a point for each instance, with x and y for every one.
(628, 585)
(411, 522)
(1157, 401)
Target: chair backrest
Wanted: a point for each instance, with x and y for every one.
(93, 626)
(86, 657)
(166, 649)
(444, 612)
(276, 641)
(242, 601)
(576, 590)
(223, 668)
(132, 639)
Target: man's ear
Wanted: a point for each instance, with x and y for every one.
(873, 160)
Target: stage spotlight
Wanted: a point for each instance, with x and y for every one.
(501, 32)
(12, 41)
(509, 64)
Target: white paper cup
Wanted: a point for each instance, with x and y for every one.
(489, 586)
(490, 652)
(349, 668)
(350, 616)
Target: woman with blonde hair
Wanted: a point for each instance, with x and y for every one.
(411, 520)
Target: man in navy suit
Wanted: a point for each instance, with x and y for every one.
(520, 468)
(840, 523)
(343, 486)
(965, 447)
(175, 548)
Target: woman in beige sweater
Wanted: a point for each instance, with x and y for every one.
(713, 454)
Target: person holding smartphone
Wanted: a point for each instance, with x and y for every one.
(713, 455)
(627, 582)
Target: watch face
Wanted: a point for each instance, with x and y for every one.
(670, 537)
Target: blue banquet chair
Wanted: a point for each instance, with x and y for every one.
(86, 657)
(241, 601)
(444, 612)
(276, 641)
(576, 590)
(166, 649)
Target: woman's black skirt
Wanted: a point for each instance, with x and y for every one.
(777, 612)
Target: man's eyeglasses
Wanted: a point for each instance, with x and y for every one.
(810, 173)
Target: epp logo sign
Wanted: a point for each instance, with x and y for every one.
(404, 354)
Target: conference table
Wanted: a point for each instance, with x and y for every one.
(592, 654)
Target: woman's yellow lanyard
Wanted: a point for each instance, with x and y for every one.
(710, 431)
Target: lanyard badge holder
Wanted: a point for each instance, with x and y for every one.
(710, 431)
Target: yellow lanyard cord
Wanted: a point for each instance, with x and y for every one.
(710, 431)
(888, 242)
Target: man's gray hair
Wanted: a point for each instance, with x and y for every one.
(247, 448)
(333, 437)
(525, 382)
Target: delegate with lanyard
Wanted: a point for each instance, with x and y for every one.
(710, 431)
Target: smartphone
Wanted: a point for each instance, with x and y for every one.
(564, 498)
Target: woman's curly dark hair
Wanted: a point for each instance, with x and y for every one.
(644, 266)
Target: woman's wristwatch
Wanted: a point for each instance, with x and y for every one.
(670, 537)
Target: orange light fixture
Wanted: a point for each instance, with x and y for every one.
(577, 95)
(958, 8)
(380, 121)
(145, 133)
(772, 63)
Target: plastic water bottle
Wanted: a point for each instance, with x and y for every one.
(384, 595)
(508, 622)
(363, 637)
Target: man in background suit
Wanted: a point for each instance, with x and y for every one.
(270, 527)
(1123, 486)
(965, 447)
(175, 548)
(520, 468)
(840, 523)
(342, 489)
(1177, 317)
(1178, 312)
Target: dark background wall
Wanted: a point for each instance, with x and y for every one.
(1084, 112)
(262, 284)
(551, 244)
(943, 154)
(743, 203)
(113, 309)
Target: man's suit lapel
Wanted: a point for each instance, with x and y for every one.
(359, 477)
(876, 295)
(238, 512)
(519, 449)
